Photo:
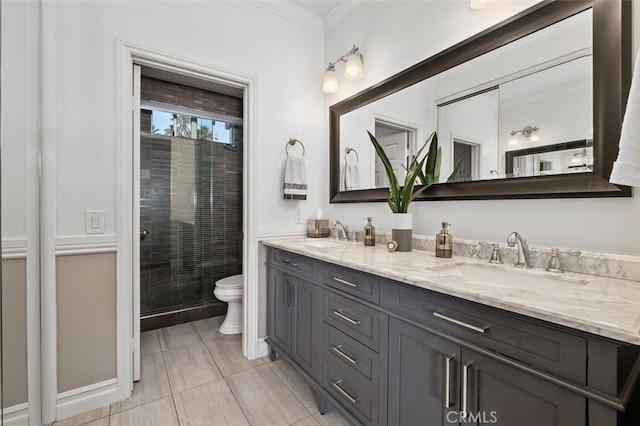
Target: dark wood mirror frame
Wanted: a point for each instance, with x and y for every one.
(611, 82)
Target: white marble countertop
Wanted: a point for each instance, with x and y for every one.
(606, 307)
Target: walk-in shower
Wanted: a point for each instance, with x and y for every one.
(190, 200)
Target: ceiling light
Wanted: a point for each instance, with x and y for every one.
(353, 70)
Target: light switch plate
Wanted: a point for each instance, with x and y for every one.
(94, 221)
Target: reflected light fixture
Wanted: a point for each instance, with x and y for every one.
(353, 70)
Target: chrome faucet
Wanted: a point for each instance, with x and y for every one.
(514, 239)
(343, 230)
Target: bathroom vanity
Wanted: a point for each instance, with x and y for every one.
(407, 338)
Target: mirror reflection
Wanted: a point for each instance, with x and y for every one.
(524, 101)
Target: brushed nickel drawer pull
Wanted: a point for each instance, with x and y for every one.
(341, 281)
(461, 323)
(447, 384)
(346, 318)
(344, 393)
(288, 262)
(337, 350)
(465, 391)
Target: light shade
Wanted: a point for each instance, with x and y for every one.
(353, 69)
(330, 82)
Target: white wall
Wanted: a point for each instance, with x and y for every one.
(285, 57)
(413, 31)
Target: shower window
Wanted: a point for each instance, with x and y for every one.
(191, 204)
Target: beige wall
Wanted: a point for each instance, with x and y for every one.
(14, 332)
(86, 299)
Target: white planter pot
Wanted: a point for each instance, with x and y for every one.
(402, 230)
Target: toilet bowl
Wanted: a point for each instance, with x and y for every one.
(230, 290)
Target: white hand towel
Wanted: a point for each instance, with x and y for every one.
(626, 169)
(294, 179)
(351, 176)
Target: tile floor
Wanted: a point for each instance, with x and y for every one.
(193, 375)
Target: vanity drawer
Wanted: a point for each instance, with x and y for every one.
(301, 266)
(357, 396)
(349, 353)
(546, 347)
(359, 284)
(352, 318)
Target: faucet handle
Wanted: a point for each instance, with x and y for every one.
(495, 253)
(554, 262)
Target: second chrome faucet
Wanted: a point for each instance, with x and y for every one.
(515, 240)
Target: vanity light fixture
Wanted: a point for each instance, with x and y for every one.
(526, 132)
(353, 70)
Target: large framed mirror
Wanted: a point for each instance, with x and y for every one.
(536, 83)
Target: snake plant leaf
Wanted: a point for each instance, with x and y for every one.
(452, 176)
(432, 159)
(399, 197)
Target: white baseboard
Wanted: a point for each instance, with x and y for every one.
(81, 400)
(17, 415)
(263, 348)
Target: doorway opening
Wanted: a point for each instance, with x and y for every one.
(469, 153)
(398, 141)
(190, 196)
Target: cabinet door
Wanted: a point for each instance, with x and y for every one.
(305, 322)
(423, 377)
(278, 308)
(493, 392)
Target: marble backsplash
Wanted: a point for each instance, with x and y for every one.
(592, 263)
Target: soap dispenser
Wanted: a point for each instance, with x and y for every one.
(444, 242)
(369, 233)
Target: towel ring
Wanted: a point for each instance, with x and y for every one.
(347, 150)
(293, 141)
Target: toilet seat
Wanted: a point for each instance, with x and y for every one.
(232, 282)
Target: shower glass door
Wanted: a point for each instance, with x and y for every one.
(190, 208)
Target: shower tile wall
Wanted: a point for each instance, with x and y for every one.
(191, 203)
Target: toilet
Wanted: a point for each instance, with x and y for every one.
(230, 290)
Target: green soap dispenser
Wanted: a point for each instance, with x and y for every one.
(444, 242)
(369, 233)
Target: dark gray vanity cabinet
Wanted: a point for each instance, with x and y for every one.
(385, 352)
(424, 376)
(494, 392)
(292, 316)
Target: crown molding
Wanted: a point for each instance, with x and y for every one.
(291, 12)
(339, 12)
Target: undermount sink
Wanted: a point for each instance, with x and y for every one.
(515, 278)
(322, 244)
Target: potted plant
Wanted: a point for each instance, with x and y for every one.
(400, 196)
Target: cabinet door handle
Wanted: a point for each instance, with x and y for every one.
(465, 391)
(293, 295)
(287, 294)
(447, 381)
(336, 386)
(288, 262)
(346, 318)
(337, 350)
(341, 281)
(461, 323)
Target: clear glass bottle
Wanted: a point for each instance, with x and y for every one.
(369, 233)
